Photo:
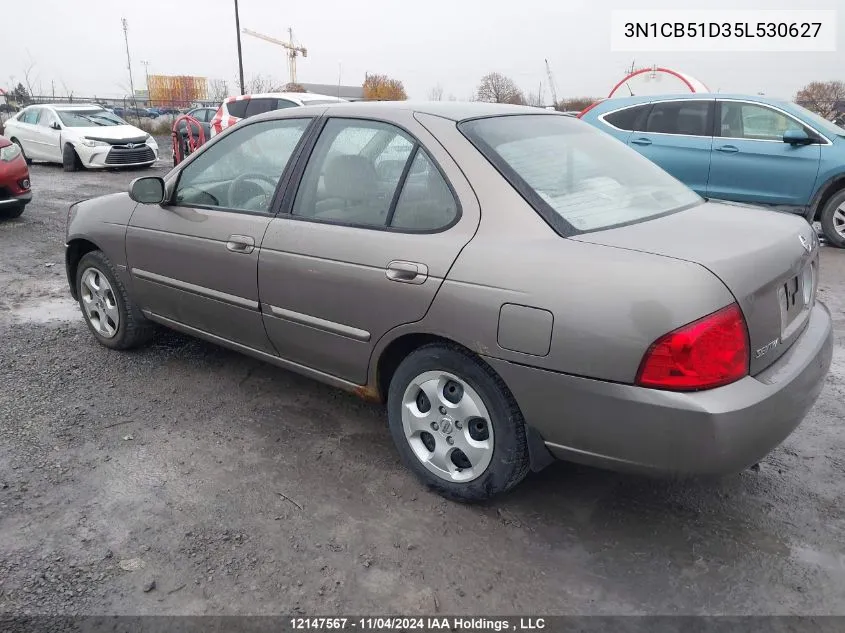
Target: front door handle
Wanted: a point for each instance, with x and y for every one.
(728, 149)
(406, 272)
(641, 141)
(240, 244)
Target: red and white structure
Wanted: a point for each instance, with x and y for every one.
(656, 80)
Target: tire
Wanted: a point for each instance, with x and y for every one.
(23, 153)
(131, 328)
(70, 160)
(501, 459)
(10, 213)
(832, 219)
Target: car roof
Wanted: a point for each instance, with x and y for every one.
(622, 101)
(69, 106)
(301, 96)
(454, 110)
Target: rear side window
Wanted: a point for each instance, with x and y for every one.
(690, 118)
(629, 118)
(31, 116)
(341, 181)
(259, 106)
(237, 108)
(372, 174)
(426, 202)
(575, 176)
(281, 104)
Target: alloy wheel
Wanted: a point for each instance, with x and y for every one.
(839, 220)
(99, 303)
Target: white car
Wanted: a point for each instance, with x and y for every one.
(80, 135)
(241, 107)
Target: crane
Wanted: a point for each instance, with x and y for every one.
(551, 84)
(293, 49)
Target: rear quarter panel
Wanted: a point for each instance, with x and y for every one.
(609, 304)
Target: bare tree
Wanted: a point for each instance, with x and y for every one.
(496, 88)
(218, 90)
(534, 99)
(575, 103)
(383, 88)
(822, 97)
(436, 93)
(294, 87)
(258, 84)
(27, 73)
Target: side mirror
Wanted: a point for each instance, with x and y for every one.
(147, 190)
(56, 125)
(796, 137)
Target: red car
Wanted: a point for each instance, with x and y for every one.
(15, 193)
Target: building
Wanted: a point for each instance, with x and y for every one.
(350, 93)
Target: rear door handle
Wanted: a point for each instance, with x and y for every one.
(240, 244)
(728, 149)
(406, 272)
(641, 141)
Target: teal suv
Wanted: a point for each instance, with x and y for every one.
(750, 149)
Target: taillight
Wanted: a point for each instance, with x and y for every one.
(707, 353)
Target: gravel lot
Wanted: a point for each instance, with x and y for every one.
(187, 479)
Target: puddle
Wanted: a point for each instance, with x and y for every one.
(45, 311)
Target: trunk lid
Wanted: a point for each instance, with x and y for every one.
(765, 258)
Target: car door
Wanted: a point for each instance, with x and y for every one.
(677, 136)
(27, 132)
(194, 259)
(751, 163)
(362, 247)
(47, 137)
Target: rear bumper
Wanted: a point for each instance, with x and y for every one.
(724, 430)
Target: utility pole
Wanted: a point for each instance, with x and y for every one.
(147, 79)
(129, 65)
(240, 53)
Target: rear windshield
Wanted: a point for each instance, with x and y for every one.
(578, 178)
(237, 109)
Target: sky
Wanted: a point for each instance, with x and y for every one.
(77, 45)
